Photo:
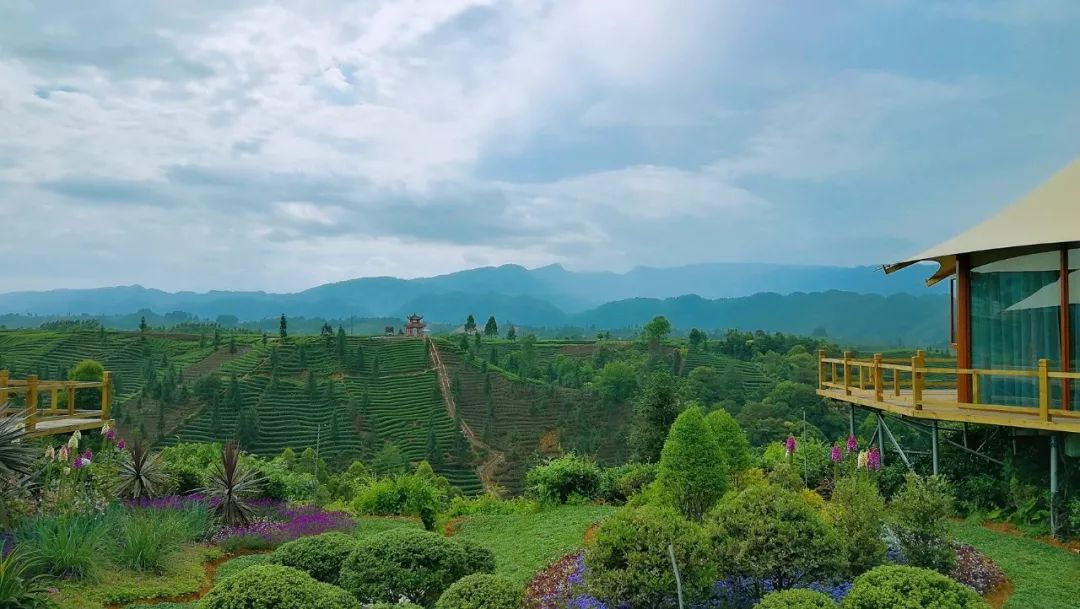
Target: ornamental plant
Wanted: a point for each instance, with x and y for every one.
(320, 556)
(693, 471)
(899, 587)
(920, 518)
(232, 484)
(732, 440)
(482, 591)
(275, 586)
(796, 599)
(767, 534)
(857, 510)
(559, 479)
(630, 563)
(142, 476)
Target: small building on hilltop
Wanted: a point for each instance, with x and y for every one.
(1015, 331)
(416, 326)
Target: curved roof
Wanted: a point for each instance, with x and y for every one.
(1048, 214)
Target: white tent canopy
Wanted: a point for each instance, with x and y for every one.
(1049, 214)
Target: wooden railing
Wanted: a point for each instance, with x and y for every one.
(32, 389)
(899, 381)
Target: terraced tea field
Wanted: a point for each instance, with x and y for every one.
(753, 375)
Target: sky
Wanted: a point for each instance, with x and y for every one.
(276, 146)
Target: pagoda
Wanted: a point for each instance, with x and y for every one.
(416, 325)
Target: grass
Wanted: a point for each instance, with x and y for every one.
(1043, 576)
(366, 527)
(238, 564)
(183, 574)
(526, 543)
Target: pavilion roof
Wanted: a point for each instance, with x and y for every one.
(1047, 215)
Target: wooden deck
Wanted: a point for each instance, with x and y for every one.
(53, 419)
(926, 389)
(50, 426)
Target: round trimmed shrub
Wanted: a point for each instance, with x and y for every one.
(409, 563)
(630, 562)
(693, 469)
(396, 606)
(896, 587)
(558, 480)
(482, 591)
(796, 599)
(478, 559)
(773, 536)
(732, 439)
(275, 587)
(320, 556)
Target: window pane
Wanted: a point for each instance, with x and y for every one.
(1015, 304)
(1074, 322)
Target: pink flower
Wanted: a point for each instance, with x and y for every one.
(121, 444)
(836, 456)
(80, 462)
(852, 443)
(789, 445)
(110, 434)
(88, 455)
(873, 462)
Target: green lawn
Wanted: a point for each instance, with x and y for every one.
(526, 543)
(1045, 577)
(184, 575)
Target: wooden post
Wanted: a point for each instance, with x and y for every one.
(896, 382)
(71, 399)
(1044, 389)
(879, 379)
(847, 372)
(31, 402)
(917, 363)
(821, 368)
(975, 393)
(963, 326)
(55, 403)
(106, 388)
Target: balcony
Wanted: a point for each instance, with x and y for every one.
(929, 388)
(23, 398)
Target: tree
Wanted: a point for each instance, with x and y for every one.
(142, 325)
(390, 460)
(491, 328)
(527, 361)
(654, 412)
(470, 323)
(693, 472)
(697, 340)
(342, 344)
(92, 371)
(511, 334)
(920, 515)
(217, 338)
(731, 438)
(232, 344)
(616, 382)
(656, 331)
(434, 451)
(283, 327)
(311, 389)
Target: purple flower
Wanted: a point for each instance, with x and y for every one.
(836, 456)
(88, 455)
(121, 444)
(80, 462)
(873, 462)
(789, 445)
(852, 444)
(110, 434)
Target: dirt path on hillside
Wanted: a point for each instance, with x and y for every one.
(496, 458)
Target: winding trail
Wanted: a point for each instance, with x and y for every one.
(496, 458)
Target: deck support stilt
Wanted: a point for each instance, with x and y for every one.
(851, 420)
(881, 438)
(934, 445)
(896, 445)
(1053, 483)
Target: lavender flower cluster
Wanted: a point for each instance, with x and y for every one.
(286, 525)
(739, 592)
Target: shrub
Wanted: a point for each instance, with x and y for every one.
(188, 464)
(766, 533)
(693, 471)
(478, 559)
(319, 556)
(409, 563)
(558, 479)
(630, 561)
(275, 587)
(896, 587)
(618, 484)
(731, 438)
(857, 510)
(920, 521)
(796, 599)
(67, 546)
(406, 495)
(396, 606)
(481, 591)
(490, 503)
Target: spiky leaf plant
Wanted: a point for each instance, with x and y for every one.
(18, 589)
(232, 483)
(143, 477)
(16, 454)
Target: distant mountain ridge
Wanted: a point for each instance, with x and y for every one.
(551, 288)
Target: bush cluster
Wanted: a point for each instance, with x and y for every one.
(618, 484)
(920, 519)
(898, 587)
(482, 591)
(276, 586)
(796, 599)
(320, 556)
(857, 509)
(560, 479)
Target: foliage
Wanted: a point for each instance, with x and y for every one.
(557, 480)
(616, 382)
(618, 484)
(146, 538)
(87, 370)
(796, 599)
(417, 494)
(920, 515)
(693, 472)
(275, 587)
(550, 533)
(976, 570)
(405, 562)
(66, 545)
(900, 587)
(18, 588)
(766, 533)
(189, 464)
(654, 411)
(238, 564)
(142, 475)
(481, 591)
(732, 439)
(390, 460)
(319, 556)
(16, 454)
(630, 561)
(857, 510)
(232, 483)
(490, 503)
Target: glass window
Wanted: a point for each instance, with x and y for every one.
(1074, 323)
(1015, 322)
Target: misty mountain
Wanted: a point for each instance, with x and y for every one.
(546, 293)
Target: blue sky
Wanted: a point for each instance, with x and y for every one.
(279, 146)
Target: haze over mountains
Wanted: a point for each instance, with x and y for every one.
(779, 297)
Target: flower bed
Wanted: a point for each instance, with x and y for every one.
(976, 570)
(280, 524)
